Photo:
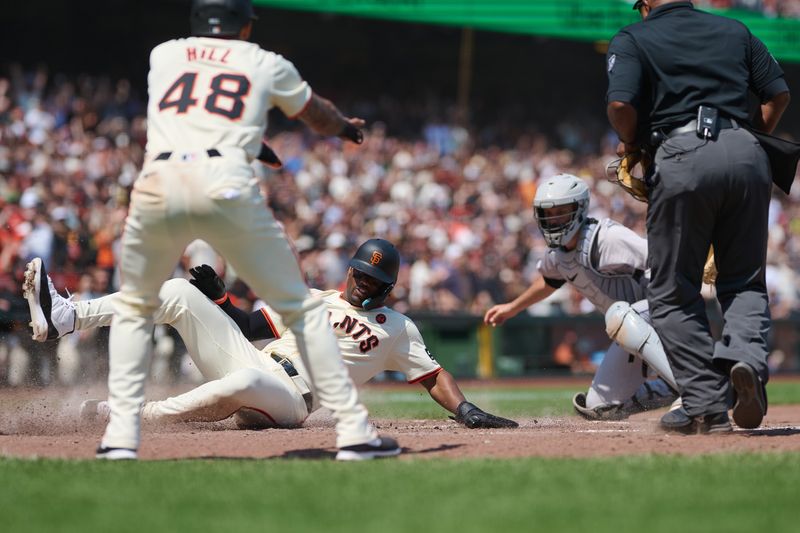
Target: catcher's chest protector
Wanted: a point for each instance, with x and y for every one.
(599, 288)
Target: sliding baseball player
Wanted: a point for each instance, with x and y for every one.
(270, 387)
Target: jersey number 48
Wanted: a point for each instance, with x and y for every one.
(225, 98)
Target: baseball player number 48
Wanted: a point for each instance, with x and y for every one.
(230, 86)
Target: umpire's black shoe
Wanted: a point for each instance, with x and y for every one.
(679, 421)
(751, 396)
(380, 447)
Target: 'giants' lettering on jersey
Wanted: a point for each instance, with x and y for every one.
(209, 54)
(357, 330)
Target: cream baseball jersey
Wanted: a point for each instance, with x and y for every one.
(370, 341)
(209, 93)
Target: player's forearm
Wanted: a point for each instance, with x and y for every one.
(254, 326)
(444, 390)
(322, 116)
(538, 291)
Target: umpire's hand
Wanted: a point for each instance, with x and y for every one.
(207, 281)
(473, 417)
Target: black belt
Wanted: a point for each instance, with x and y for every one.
(289, 368)
(163, 156)
(691, 127)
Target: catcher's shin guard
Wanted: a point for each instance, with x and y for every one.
(637, 337)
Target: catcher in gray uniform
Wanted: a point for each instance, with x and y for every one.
(606, 263)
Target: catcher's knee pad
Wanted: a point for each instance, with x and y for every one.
(632, 332)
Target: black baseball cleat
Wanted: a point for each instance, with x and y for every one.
(751, 398)
(679, 421)
(52, 315)
(115, 454)
(379, 447)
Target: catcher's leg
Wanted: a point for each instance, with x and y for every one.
(616, 381)
(268, 393)
(626, 325)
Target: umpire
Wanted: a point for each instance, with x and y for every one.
(679, 83)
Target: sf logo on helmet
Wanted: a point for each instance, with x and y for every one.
(376, 258)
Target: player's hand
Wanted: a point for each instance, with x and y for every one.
(207, 281)
(352, 130)
(474, 417)
(498, 314)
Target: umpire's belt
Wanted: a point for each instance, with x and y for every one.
(298, 381)
(186, 156)
(691, 127)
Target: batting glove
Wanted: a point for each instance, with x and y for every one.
(352, 133)
(207, 281)
(473, 417)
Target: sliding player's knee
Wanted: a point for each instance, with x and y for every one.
(243, 380)
(177, 290)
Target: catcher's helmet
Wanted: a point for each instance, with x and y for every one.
(381, 260)
(563, 189)
(220, 18)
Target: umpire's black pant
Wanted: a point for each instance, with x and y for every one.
(703, 193)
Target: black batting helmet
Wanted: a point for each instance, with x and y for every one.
(220, 18)
(377, 258)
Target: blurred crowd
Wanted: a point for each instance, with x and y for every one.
(770, 8)
(457, 206)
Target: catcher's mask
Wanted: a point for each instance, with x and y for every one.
(379, 259)
(220, 18)
(560, 207)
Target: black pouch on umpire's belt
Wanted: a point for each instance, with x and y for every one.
(783, 156)
(707, 122)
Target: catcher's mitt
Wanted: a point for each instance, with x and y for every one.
(620, 171)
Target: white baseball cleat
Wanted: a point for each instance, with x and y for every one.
(115, 454)
(94, 410)
(379, 447)
(52, 315)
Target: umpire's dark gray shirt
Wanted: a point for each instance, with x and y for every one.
(679, 58)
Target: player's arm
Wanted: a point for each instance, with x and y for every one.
(538, 291)
(296, 99)
(254, 326)
(445, 391)
(322, 116)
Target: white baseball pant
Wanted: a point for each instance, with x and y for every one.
(239, 374)
(217, 199)
(620, 374)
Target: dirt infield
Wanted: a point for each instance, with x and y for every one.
(44, 423)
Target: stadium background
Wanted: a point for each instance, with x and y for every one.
(457, 142)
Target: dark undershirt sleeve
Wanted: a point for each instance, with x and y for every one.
(555, 283)
(254, 326)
